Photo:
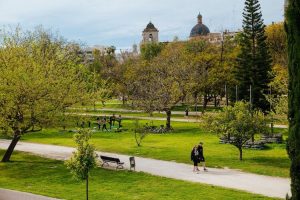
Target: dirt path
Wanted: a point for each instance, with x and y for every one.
(258, 184)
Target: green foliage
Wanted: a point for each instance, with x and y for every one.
(254, 62)
(238, 123)
(293, 147)
(151, 50)
(159, 84)
(277, 45)
(84, 158)
(41, 75)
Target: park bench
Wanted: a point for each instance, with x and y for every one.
(106, 160)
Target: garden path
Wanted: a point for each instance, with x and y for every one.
(16, 195)
(228, 178)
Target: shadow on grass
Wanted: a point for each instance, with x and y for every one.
(270, 161)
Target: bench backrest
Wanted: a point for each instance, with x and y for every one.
(111, 159)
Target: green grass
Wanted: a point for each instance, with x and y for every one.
(132, 114)
(37, 175)
(177, 146)
(117, 104)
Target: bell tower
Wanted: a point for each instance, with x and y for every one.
(150, 34)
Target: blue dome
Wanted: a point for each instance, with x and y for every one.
(199, 30)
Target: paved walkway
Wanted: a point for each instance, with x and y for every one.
(258, 184)
(16, 195)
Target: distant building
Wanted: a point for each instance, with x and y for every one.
(150, 34)
(199, 31)
(88, 52)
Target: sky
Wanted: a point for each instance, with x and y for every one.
(121, 22)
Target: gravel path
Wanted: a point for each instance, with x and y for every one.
(258, 184)
(16, 195)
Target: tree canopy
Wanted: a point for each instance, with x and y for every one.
(41, 75)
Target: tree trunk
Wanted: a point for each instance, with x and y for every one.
(87, 188)
(11, 147)
(205, 101)
(196, 101)
(123, 99)
(168, 124)
(215, 101)
(241, 153)
(293, 144)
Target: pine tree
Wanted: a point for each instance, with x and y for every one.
(254, 62)
(293, 147)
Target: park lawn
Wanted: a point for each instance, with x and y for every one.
(131, 114)
(48, 177)
(177, 146)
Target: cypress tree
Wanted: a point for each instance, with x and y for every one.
(293, 145)
(254, 61)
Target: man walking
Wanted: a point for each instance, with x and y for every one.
(201, 156)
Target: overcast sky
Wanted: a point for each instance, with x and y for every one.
(121, 22)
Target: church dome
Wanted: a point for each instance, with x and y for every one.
(199, 29)
(150, 27)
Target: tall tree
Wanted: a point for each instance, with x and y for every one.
(254, 62)
(40, 77)
(158, 84)
(293, 34)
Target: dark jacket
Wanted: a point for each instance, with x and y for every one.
(194, 155)
(200, 151)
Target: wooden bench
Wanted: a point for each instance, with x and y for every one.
(106, 160)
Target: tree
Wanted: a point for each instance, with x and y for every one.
(293, 146)
(139, 133)
(277, 44)
(83, 159)
(209, 71)
(40, 77)
(239, 123)
(254, 62)
(151, 50)
(157, 84)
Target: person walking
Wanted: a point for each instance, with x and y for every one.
(195, 157)
(104, 124)
(186, 112)
(120, 120)
(110, 122)
(113, 118)
(99, 123)
(201, 156)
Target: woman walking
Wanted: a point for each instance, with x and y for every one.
(195, 158)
